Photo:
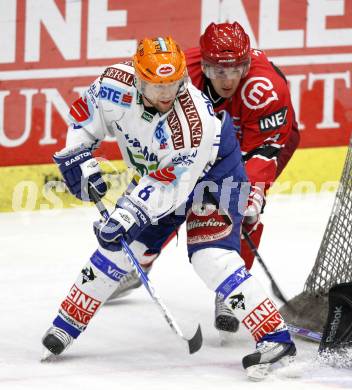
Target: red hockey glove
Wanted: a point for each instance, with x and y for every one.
(254, 208)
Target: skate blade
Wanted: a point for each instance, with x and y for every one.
(287, 360)
(47, 356)
(258, 372)
(118, 296)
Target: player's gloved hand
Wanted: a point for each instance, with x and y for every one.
(254, 208)
(79, 167)
(127, 221)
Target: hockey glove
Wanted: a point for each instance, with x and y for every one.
(254, 208)
(78, 167)
(127, 221)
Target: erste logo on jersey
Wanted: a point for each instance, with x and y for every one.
(253, 92)
(115, 95)
(165, 70)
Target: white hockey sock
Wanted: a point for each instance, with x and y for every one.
(93, 286)
(224, 271)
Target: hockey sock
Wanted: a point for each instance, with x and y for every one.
(95, 283)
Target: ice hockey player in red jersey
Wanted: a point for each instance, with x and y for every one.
(254, 91)
(167, 132)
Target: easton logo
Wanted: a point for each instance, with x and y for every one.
(192, 117)
(165, 70)
(164, 175)
(77, 158)
(273, 121)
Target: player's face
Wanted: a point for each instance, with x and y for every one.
(225, 80)
(161, 96)
(225, 87)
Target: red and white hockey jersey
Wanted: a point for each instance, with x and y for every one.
(261, 109)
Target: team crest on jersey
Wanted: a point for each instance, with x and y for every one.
(258, 92)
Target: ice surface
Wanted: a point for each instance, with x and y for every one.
(129, 345)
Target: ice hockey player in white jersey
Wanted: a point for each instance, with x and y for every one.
(190, 169)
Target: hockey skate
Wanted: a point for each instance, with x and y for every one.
(127, 284)
(55, 341)
(259, 363)
(225, 321)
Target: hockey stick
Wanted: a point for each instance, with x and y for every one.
(304, 333)
(194, 343)
(277, 292)
(293, 329)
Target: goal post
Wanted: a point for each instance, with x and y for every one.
(333, 264)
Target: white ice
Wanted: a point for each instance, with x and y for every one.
(129, 345)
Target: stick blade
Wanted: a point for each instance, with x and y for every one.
(195, 343)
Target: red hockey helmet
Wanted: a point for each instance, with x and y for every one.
(225, 44)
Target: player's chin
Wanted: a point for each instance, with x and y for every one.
(227, 92)
(164, 105)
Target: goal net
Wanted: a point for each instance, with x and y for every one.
(333, 264)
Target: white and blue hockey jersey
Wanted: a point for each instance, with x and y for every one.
(171, 152)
